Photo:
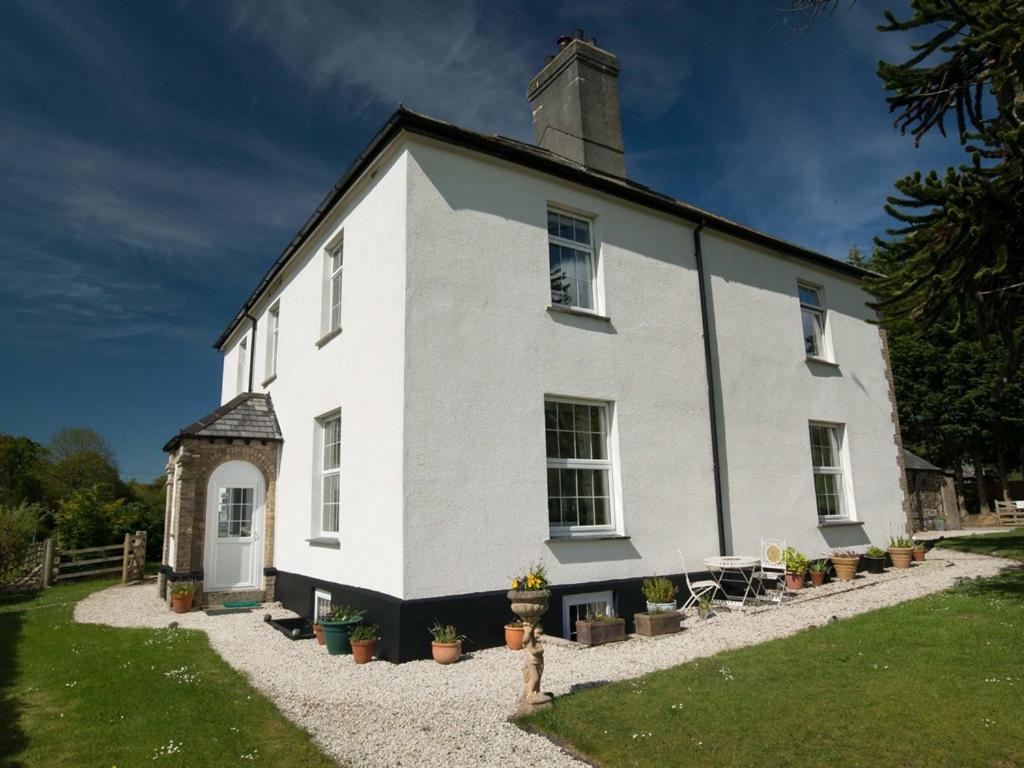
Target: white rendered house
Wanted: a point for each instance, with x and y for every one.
(481, 353)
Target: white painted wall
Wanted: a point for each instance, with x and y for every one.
(482, 351)
(770, 392)
(359, 371)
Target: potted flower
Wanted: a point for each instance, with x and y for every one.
(874, 560)
(819, 572)
(796, 569)
(660, 594)
(181, 596)
(514, 635)
(919, 551)
(704, 607)
(845, 562)
(901, 551)
(336, 625)
(447, 643)
(363, 640)
(599, 629)
(530, 595)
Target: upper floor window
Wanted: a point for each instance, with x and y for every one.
(827, 465)
(812, 310)
(579, 466)
(242, 372)
(571, 261)
(336, 262)
(330, 474)
(273, 324)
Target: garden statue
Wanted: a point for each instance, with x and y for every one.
(529, 597)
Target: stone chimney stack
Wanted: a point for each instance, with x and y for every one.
(575, 101)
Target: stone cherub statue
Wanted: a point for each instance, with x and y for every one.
(533, 668)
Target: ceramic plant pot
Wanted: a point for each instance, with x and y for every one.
(795, 581)
(514, 637)
(362, 650)
(319, 632)
(446, 653)
(181, 603)
(336, 636)
(661, 607)
(919, 555)
(874, 564)
(901, 556)
(846, 566)
(818, 578)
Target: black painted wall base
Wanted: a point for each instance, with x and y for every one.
(480, 616)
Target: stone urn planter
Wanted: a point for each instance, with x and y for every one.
(657, 623)
(529, 605)
(846, 566)
(514, 637)
(901, 556)
(600, 631)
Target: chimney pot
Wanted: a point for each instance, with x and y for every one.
(563, 41)
(593, 41)
(577, 34)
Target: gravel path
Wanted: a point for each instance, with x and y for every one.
(421, 713)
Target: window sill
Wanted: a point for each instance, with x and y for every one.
(269, 380)
(834, 523)
(327, 337)
(821, 361)
(579, 312)
(324, 541)
(575, 537)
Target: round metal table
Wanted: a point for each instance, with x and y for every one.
(741, 570)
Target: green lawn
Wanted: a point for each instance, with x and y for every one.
(85, 695)
(935, 682)
(1004, 544)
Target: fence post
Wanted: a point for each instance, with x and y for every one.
(124, 559)
(47, 574)
(140, 553)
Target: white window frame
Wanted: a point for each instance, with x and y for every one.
(242, 373)
(335, 268)
(322, 472)
(318, 596)
(584, 598)
(837, 438)
(607, 464)
(820, 310)
(591, 250)
(273, 332)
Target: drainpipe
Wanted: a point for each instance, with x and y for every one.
(712, 402)
(252, 351)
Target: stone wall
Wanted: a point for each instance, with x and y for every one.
(897, 436)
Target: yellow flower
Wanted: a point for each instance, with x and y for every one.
(515, 583)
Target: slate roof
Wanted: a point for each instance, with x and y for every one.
(913, 461)
(250, 416)
(537, 158)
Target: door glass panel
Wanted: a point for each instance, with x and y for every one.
(234, 513)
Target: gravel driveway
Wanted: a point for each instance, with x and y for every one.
(421, 713)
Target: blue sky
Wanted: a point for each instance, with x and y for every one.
(156, 157)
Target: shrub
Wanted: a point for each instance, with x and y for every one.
(340, 614)
(182, 589)
(659, 590)
(796, 562)
(17, 528)
(364, 632)
(445, 633)
(875, 552)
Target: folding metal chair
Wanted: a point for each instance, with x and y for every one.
(698, 589)
(773, 569)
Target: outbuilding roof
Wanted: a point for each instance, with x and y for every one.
(913, 461)
(537, 158)
(249, 416)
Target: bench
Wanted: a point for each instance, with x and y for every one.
(1009, 513)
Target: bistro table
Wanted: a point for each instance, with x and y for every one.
(734, 569)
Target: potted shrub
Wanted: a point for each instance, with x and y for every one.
(600, 629)
(363, 640)
(845, 562)
(874, 560)
(819, 572)
(704, 607)
(336, 625)
(447, 643)
(919, 551)
(796, 569)
(181, 596)
(901, 551)
(654, 623)
(514, 635)
(660, 594)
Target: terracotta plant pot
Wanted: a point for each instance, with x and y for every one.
(818, 578)
(514, 637)
(795, 581)
(319, 632)
(919, 555)
(901, 556)
(600, 632)
(362, 650)
(181, 603)
(446, 653)
(657, 623)
(846, 566)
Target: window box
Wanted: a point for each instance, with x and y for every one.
(600, 632)
(662, 623)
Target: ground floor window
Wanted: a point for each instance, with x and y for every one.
(321, 603)
(579, 466)
(584, 606)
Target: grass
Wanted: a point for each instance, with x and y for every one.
(1004, 544)
(937, 681)
(86, 695)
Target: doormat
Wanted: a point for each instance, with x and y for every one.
(294, 629)
(224, 611)
(241, 603)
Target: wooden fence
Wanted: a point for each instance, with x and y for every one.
(26, 573)
(44, 564)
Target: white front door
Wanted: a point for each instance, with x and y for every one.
(234, 524)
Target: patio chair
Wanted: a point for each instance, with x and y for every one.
(698, 589)
(773, 568)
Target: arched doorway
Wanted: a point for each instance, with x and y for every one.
(235, 511)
